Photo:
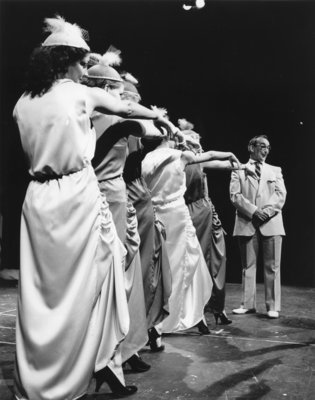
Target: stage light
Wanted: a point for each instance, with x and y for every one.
(200, 3)
(189, 4)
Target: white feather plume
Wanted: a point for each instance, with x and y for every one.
(161, 112)
(111, 57)
(59, 24)
(184, 124)
(94, 59)
(130, 78)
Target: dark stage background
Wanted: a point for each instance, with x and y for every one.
(235, 69)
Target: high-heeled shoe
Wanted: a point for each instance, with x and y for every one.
(154, 338)
(137, 364)
(224, 320)
(106, 375)
(202, 328)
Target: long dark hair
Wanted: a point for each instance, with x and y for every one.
(46, 64)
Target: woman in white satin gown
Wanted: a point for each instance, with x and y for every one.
(164, 172)
(72, 307)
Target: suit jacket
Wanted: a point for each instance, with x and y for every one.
(247, 194)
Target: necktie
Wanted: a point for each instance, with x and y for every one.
(258, 170)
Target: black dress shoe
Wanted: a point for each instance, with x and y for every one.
(224, 320)
(153, 336)
(107, 375)
(137, 364)
(202, 328)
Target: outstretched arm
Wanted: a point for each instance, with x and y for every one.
(219, 165)
(215, 155)
(99, 100)
(227, 166)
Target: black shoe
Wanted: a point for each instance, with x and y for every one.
(224, 320)
(106, 375)
(153, 336)
(202, 328)
(137, 364)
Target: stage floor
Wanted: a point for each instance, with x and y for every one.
(253, 358)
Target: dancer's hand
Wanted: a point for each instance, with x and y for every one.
(234, 160)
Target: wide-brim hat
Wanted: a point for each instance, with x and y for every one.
(64, 33)
(130, 87)
(103, 72)
(102, 68)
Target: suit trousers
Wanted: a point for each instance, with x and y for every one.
(270, 246)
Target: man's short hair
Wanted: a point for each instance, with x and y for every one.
(253, 141)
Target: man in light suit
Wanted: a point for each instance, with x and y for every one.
(258, 199)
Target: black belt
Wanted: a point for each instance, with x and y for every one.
(45, 178)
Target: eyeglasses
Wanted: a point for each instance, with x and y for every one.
(263, 146)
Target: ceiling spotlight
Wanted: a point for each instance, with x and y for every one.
(187, 7)
(189, 4)
(200, 3)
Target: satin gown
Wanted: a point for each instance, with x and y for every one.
(164, 174)
(109, 161)
(154, 259)
(72, 305)
(209, 232)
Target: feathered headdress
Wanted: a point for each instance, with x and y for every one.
(63, 33)
(102, 68)
(130, 85)
(111, 57)
(184, 124)
(187, 129)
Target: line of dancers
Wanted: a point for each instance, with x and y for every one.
(120, 241)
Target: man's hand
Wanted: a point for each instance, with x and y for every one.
(259, 217)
